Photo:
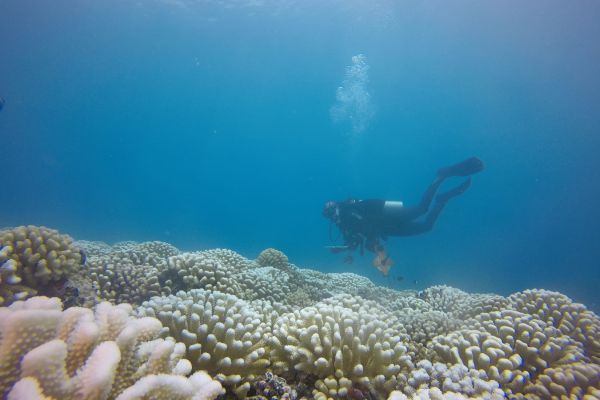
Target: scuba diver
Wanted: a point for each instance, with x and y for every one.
(363, 223)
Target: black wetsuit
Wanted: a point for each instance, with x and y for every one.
(364, 222)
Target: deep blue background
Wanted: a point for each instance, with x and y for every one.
(208, 126)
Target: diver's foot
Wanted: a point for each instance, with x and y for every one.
(467, 167)
(460, 189)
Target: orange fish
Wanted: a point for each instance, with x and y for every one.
(383, 262)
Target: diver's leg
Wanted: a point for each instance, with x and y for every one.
(411, 228)
(413, 212)
(399, 215)
(466, 167)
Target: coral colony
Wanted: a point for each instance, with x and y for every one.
(85, 320)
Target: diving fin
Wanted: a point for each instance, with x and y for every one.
(460, 189)
(467, 167)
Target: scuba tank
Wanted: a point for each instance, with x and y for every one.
(391, 208)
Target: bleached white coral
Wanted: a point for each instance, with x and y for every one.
(462, 305)
(455, 379)
(199, 386)
(79, 353)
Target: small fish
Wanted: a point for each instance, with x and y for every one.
(415, 281)
(399, 278)
(83, 257)
(1, 103)
(348, 260)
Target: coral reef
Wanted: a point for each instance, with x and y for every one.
(33, 260)
(83, 354)
(120, 277)
(189, 325)
(273, 258)
(224, 335)
(272, 387)
(198, 270)
(340, 340)
(455, 379)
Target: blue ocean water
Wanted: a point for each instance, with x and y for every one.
(221, 124)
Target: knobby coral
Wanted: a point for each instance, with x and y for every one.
(83, 354)
(32, 259)
(233, 322)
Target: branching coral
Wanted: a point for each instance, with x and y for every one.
(225, 335)
(422, 328)
(332, 335)
(340, 344)
(273, 258)
(456, 379)
(228, 258)
(267, 283)
(120, 280)
(513, 348)
(82, 354)
(32, 259)
(198, 271)
(572, 319)
(462, 305)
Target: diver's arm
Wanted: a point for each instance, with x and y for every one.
(373, 244)
(353, 240)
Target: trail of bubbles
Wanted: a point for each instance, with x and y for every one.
(353, 102)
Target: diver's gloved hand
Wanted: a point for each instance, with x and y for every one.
(467, 167)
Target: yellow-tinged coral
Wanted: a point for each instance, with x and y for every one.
(559, 311)
(200, 270)
(462, 305)
(334, 340)
(422, 327)
(228, 258)
(571, 381)
(339, 334)
(513, 348)
(79, 353)
(273, 258)
(118, 279)
(31, 258)
(266, 283)
(225, 335)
